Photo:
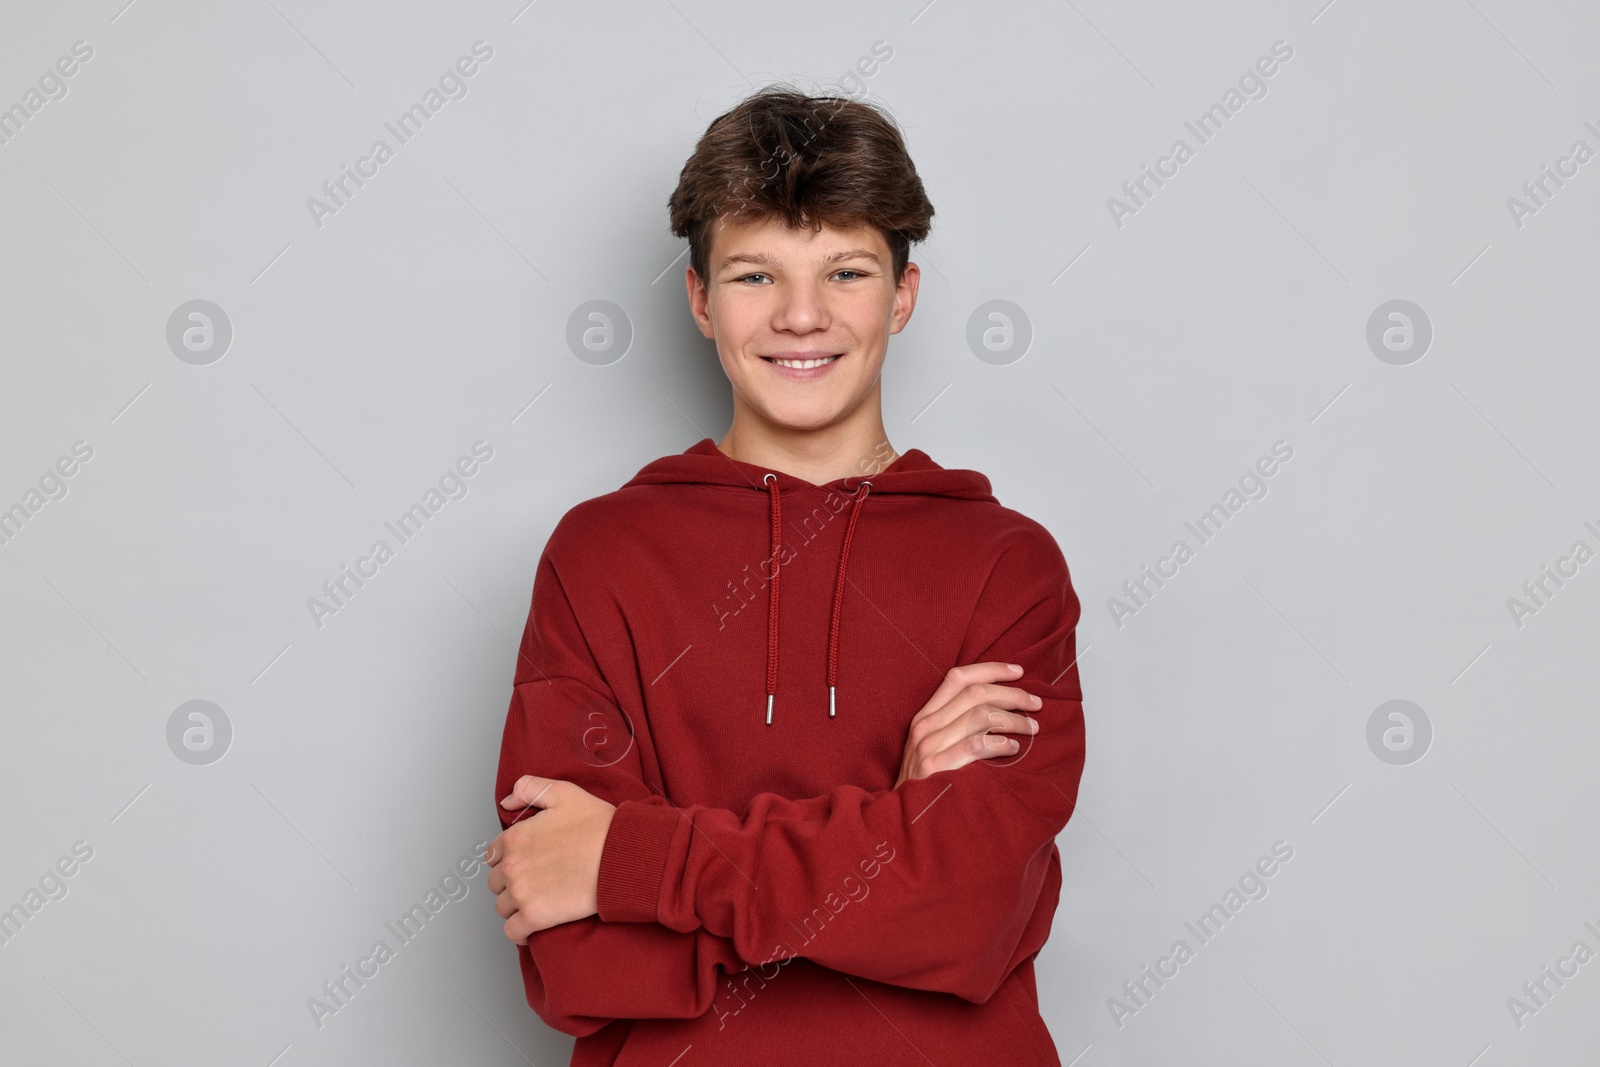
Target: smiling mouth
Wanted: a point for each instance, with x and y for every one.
(801, 364)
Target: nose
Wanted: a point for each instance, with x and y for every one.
(802, 309)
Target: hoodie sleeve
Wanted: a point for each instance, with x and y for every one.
(564, 723)
(946, 883)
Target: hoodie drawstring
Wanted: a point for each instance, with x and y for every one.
(771, 481)
(838, 591)
(776, 509)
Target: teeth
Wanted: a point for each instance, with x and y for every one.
(804, 364)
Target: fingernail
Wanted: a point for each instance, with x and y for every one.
(1014, 745)
(1033, 726)
(1015, 666)
(1036, 701)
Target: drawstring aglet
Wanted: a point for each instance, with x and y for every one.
(830, 701)
(769, 709)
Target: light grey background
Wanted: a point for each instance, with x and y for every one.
(1167, 354)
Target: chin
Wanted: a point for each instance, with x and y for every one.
(808, 417)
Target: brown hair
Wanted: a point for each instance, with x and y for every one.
(807, 160)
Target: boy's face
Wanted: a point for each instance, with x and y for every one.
(778, 299)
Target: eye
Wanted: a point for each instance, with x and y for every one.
(747, 277)
(848, 270)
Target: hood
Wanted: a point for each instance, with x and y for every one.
(913, 473)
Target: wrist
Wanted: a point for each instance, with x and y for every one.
(633, 861)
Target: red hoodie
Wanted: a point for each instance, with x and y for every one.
(765, 895)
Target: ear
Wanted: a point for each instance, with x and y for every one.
(905, 298)
(699, 301)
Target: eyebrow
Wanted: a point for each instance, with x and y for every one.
(762, 260)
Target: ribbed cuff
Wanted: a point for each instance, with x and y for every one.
(634, 861)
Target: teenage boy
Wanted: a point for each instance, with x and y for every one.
(796, 718)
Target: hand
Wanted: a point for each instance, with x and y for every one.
(954, 727)
(546, 870)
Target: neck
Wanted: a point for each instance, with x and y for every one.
(853, 448)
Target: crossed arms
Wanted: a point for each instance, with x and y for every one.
(969, 828)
